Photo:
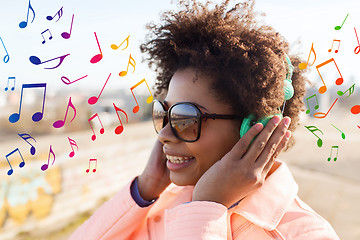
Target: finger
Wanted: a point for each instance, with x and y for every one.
(273, 143)
(278, 150)
(260, 142)
(242, 145)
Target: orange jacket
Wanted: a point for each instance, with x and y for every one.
(272, 212)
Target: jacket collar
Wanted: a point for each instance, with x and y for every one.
(266, 206)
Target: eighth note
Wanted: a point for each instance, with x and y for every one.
(60, 123)
(115, 47)
(119, 129)
(13, 87)
(337, 151)
(35, 60)
(45, 166)
(42, 34)
(302, 66)
(23, 24)
(337, 50)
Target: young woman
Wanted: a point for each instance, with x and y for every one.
(213, 172)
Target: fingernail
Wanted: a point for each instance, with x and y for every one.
(288, 134)
(258, 126)
(276, 120)
(287, 121)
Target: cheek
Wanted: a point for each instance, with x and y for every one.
(217, 138)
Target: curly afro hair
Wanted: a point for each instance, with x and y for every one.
(244, 60)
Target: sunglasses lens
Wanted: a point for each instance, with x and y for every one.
(158, 116)
(185, 120)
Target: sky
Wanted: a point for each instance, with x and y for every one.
(307, 21)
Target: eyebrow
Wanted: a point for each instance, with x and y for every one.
(167, 104)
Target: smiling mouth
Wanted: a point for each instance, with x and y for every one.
(179, 160)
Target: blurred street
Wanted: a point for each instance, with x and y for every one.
(330, 187)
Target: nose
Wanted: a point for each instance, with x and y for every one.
(167, 136)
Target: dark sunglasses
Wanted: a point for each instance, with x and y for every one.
(185, 119)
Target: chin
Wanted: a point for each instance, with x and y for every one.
(181, 179)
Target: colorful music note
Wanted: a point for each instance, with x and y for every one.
(35, 60)
(302, 66)
(337, 50)
(313, 129)
(119, 129)
(337, 151)
(92, 100)
(115, 47)
(97, 57)
(355, 110)
(72, 143)
(323, 115)
(130, 62)
(307, 103)
(13, 87)
(38, 115)
(6, 57)
(42, 34)
(22, 164)
(148, 100)
(60, 123)
(339, 27)
(23, 24)
(67, 35)
(45, 166)
(351, 90)
(26, 136)
(342, 134)
(92, 160)
(357, 49)
(67, 81)
(59, 13)
(338, 81)
(93, 137)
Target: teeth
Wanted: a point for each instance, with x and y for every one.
(178, 160)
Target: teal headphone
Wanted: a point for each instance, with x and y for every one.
(249, 121)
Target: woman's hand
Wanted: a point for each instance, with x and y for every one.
(243, 170)
(155, 177)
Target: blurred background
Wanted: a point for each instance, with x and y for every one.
(50, 204)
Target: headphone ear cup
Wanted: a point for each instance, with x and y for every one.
(288, 89)
(250, 121)
(246, 125)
